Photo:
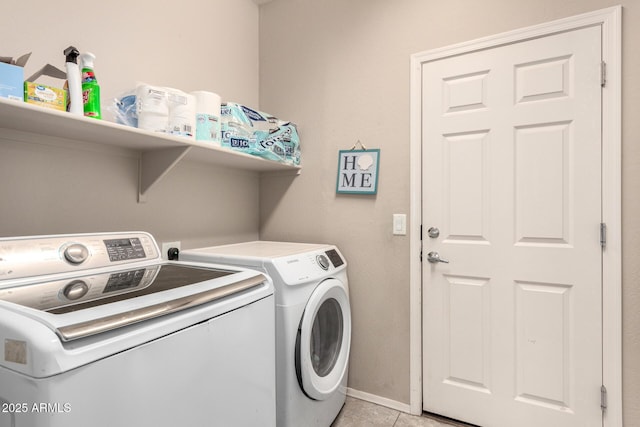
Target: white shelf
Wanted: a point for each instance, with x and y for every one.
(158, 152)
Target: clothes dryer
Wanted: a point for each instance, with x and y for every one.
(313, 323)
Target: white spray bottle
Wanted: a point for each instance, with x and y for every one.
(74, 80)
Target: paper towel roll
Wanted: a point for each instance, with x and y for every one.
(207, 102)
(207, 116)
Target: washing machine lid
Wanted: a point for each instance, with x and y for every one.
(91, 290)
(75, 307)
(80, 285)
(69, 300)
(324, 341)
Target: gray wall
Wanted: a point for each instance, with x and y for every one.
(341, 70)
(52, 186)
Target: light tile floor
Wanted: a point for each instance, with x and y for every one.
(358, 413)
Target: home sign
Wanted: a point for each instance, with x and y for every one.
(358, 171)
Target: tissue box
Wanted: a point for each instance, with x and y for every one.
(45, 96)
(11, 80)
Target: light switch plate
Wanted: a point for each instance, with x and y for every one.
(399, 224)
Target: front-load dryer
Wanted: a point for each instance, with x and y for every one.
(313, 323)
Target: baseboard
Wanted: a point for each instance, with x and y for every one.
(378, 400)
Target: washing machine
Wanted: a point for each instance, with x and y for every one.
(97, 330)
(313, 323)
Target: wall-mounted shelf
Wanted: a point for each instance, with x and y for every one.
(158, 152)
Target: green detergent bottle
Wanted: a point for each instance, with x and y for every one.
(90, 87)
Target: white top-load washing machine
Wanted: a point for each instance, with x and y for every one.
(313, 323)
(97, 330)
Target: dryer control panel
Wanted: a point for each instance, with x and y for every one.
(328, 259)
(301, 268)
(335, 257)
(22, 257)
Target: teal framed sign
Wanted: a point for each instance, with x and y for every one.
(358, 171)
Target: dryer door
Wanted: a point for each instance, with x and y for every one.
(324, 339)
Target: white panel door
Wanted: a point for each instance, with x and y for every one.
(512, 180)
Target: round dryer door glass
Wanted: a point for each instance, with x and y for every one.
(326, 337)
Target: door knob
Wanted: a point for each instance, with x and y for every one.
(433, 232)
(434, 257)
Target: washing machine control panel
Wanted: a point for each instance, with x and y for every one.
(124, 249)
(34, 256)
(310, 266)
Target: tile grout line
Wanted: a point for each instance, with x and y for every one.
(397, 418)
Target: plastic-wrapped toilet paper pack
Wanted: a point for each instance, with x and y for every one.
(260, 134)
(161, 109)
(152, 106)
(207, 116)
(182, 113)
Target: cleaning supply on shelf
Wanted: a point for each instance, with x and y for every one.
(207, 116)
(74, 81)
(90, 87)
(44, 95)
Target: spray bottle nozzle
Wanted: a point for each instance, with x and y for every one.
(72, 54)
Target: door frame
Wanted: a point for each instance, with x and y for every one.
(611, 21)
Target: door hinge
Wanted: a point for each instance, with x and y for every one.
(603, 235)
(603, 74)
(603, 398)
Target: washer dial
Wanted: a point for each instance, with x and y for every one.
(76, 253)
(75, 290)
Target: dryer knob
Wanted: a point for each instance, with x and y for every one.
(76, 253)
(323, 261)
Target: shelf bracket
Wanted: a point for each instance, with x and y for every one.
(154, 165)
